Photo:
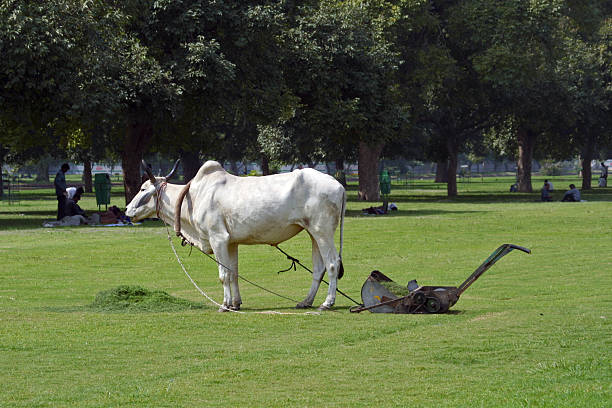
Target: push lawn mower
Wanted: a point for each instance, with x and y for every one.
(380, 294)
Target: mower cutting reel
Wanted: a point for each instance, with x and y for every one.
(381, 295)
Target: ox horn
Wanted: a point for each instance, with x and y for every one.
(169, 176)
(148, 171)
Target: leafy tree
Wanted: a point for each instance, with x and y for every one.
(69, 65)
(223, 58)
(40, 44)
(339, 70)
(439, 82)
(516, 52)
(586, 69)
(578, 120)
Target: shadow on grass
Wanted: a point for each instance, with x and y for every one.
(17, 223)
(16, 216)
(34, 219)
(483, 197)
(15, 219)
(408, 213)
(49, 195)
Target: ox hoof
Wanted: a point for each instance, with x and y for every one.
(235, 308)
(223, 309)
(323, 308)
(303, 305)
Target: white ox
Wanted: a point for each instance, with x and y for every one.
(221, 211)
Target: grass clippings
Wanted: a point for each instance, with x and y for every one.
(126, 298)
(396, 288)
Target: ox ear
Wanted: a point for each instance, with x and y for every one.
(148, 171)
(169, 176)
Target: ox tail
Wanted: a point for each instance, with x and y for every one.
(177, 209)
(341, 269)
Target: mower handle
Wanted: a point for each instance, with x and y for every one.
(520, 248)
(489, 262)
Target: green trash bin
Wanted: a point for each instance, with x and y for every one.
(385, 183)
(102, 185)
(385, 188)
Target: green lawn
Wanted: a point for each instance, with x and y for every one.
(534, 331)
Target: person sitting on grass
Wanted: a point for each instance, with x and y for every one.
(550, 185)
(71, 191)
(546, 192)
(72, 208)
(572, 194)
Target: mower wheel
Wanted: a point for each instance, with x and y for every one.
(418, 298)
(432, 305)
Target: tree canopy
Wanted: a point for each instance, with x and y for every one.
(310, 81)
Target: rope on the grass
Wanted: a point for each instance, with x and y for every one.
(178, 259)
(270, 312)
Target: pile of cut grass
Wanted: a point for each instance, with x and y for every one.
(395, 288)
(126, 298)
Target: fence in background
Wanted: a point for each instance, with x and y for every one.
(12, 188)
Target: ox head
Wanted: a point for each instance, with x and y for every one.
(143, 205)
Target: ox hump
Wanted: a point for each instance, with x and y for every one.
(209, 167)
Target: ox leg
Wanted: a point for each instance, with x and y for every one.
(228, 266)
(319, 269)
(236, 299)
(331, 260)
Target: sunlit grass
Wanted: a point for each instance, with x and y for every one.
(533, 331)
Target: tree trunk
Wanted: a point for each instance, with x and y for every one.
(191, 164)
(442, 171)
(265, 165)
(586, 172)
(451, 173)
(586, 157)
(42, 170)
(340, 174)
(3, 151)
(1, 172)
(138, 135)
(87, 176)
(368, 171)
(526, 142)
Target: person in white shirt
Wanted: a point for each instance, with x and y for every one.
(550, 185)
(72, 191)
